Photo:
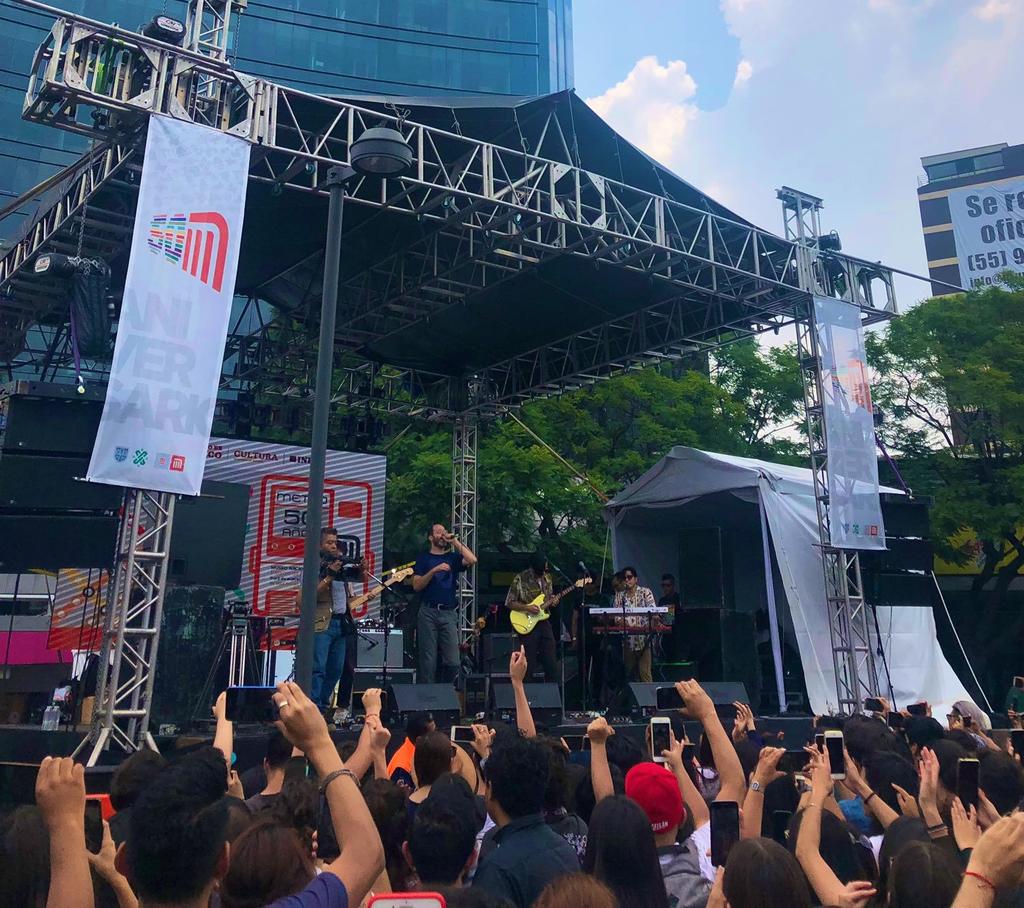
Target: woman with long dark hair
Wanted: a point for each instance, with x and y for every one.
(622, 855)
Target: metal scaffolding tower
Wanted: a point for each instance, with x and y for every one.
(131, 626)
(852, 651)
(465, 444)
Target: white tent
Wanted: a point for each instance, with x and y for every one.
(643, 515)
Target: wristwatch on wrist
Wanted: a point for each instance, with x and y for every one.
(755, 786)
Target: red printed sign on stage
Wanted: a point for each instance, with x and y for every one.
(277, 476)
(78, 602)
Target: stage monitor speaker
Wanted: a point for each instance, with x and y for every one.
(208, 536)
(720, 643)
(643, 696)
(52, 541)
(439, 700)
(371, 676)
(49, 418)
(544, 698)
(37, 482)
(497, 651)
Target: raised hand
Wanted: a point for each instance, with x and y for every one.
(483, 739)
(856, 894)
(599, 731)
(380, 737)
(999, 854)
(674, 755)
(220, 707)
(821, 774)
(60, 794)
(517, 665)
(908, 803)
(966, 830)
(767, 770)
(697, 703)
(235, 786)
(300, 721)
(372, 701)
(928, 769)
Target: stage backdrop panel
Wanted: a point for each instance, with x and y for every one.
(278, 480)
(174, 316)
(855, 512)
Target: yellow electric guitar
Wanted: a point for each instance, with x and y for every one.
(524, 622)
(397, 576)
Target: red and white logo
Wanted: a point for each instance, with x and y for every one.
(178, 463)
(197, 241)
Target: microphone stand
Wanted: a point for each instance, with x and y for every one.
(385, 617)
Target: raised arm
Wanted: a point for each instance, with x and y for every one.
(753, 805)
(224, 736)
(599, 731)
(524, 716)
(700, 706)
(363, 758)
(60, 796)
(468, 555)
(873, 804)
(362, 855)
(692, 798)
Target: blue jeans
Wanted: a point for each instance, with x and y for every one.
(328, 661)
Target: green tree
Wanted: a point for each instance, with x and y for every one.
(952, 388)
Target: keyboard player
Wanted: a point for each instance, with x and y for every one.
(637, 647)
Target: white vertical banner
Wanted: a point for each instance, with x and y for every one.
(174, 318)
(855, 512)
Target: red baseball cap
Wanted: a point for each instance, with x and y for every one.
(655, 789)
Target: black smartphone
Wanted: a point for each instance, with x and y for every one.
(668, 698)
(577, 742)
(1018, 681)
(873, 705)
(895, 721)
(251, 704)
(967, 781)
(725, 830)
(836, 757)
(918, 709)
(462, 734)
(780, 825)
(93, 825)
(1017, 740)
(793, 761)
(819, 740)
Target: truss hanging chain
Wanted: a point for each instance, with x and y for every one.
(131, 627)
(852, 652)
(465, 444)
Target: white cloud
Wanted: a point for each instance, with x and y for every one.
(846, 117)
(992, 9)
(652, 106)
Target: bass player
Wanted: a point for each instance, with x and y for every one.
(540, 642)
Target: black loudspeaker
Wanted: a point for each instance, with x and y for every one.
(365, 678)
(643, 696)
(208, 536)
(720, 642)
(904, 590)
(904, 516)
(900, 555)
(54, 419)
(190, 635)
(545, 702)
(497, 651)
(52, 541)
(44, 483)
(701, 563)
(476, 691)
(438, 699)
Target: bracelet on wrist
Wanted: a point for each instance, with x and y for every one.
(936, 827)
(984, 879)
(331, 776)
(867, 800)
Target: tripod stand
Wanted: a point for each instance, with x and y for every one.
(239, 645)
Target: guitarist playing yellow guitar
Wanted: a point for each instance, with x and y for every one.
(530, 599)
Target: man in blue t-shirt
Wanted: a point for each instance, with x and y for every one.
(437, 628)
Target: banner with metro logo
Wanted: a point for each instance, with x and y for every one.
(174, 317)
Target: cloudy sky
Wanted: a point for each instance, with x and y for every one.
(839, 98)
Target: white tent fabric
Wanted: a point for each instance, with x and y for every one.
(918, 669)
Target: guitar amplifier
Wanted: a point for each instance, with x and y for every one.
(370, 649)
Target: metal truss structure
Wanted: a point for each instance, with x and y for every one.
(480, 216)
(131, 626)
(465, 444)
(849, 628)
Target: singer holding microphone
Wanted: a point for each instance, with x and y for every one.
(437, 625)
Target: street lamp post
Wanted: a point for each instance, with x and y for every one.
(382, 152)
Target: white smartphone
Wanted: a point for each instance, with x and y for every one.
(836, 756)
(408, 900)
(661, 737)
(462, 734)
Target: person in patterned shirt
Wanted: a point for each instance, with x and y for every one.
(540, 642)
(637, 651)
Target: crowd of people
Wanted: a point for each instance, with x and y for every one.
(515, 818)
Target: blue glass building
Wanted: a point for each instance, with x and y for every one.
(380, 47)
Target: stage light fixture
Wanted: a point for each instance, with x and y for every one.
(830, 242)
(55, 264)
(381, 151)
(164, 28)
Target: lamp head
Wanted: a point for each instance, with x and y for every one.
(382, 152)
